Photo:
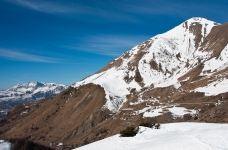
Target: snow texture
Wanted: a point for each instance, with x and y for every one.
(154, 111)
(5, 145)
(181, 111)
(214, 88)
(216, 64)
(184, 136)
(170, 53)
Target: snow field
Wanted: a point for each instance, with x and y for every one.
(214, 88)
(184, 136)
(4, 145)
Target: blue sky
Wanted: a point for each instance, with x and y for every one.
(63, 41)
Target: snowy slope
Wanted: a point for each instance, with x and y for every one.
(158, 62)
(31, 91)
(185, 136)
(4, 145)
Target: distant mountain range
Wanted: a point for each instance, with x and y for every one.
(31, 91)
(180, 75)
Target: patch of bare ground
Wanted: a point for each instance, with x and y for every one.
(114, 63)
(196, 28)
(216, 114)
(159, 93)
(216, 40)
(193, 74)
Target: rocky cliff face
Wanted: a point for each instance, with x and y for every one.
(180, 75)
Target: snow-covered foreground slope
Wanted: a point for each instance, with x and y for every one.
(189, 136)
(4, 145)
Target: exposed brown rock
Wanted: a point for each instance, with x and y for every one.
(216, 40)
(196, 28)
(114, 63)
(63, 118)
(154, 65)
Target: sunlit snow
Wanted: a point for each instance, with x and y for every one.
(214, 88)
(172, 136)
(4, 145)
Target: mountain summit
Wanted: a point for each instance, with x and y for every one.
(180, 75)
(158, 62)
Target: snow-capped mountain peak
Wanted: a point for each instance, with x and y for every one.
(157, 62)
(31, 91)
